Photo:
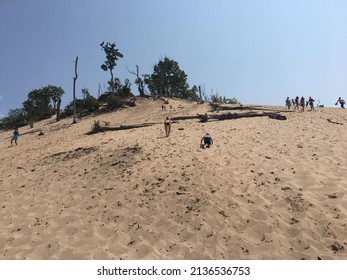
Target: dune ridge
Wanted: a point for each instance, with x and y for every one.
(266, 189)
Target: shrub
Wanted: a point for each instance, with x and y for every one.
(113, 102)
(89, 105)
(96, 127)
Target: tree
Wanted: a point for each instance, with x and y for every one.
(38, 105)
(15, 118)
(139, 81)
(112, 55)
(55, 93)
(170, 81)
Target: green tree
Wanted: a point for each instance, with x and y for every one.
(55, 93)
(15, 118)
(39, 103)
(112, 55)
(169, 80)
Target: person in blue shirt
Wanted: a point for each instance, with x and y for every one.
(15, 136)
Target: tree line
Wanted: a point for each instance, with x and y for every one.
(166, 80)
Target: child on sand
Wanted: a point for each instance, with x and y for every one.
(167, 126)
(15, 136)
(206, 141)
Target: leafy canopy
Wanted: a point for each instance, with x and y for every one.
(38, 104)
(169, 80)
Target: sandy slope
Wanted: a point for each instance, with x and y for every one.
(267, 189)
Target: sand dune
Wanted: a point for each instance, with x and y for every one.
(266, 189)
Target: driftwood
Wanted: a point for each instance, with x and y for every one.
(182, 118)
(329, 120)
(121, 127)
(219, 107)
(230, 116)
(247, 115)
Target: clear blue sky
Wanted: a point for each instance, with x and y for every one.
(259, 51)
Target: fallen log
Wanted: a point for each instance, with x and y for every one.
(229, 116)
(180, 118)
(242, 108)
(98, 128)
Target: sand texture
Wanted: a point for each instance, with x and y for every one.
(266, 189)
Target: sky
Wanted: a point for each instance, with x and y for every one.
(257, 51)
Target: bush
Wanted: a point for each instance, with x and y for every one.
(113, 102)
(89, 105)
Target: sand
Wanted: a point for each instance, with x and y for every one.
(266, 189)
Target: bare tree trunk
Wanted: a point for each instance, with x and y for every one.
(140, 85)
(112, 83)
(99, 90)
(74, 91)
(58, 109)
(200, 93)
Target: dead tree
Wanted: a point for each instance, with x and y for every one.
(139, 81)
(74, 91)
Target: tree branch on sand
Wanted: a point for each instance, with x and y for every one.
(329, 120)
(219, 107)
(230, 116)
(96, 128)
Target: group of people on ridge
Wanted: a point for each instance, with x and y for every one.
(300, 102)
(297, 103)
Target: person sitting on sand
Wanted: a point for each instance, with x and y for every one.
(288, 103)
(342, 102)
(310, 101)
(167, 126)
(206, 141)
(15, 136)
